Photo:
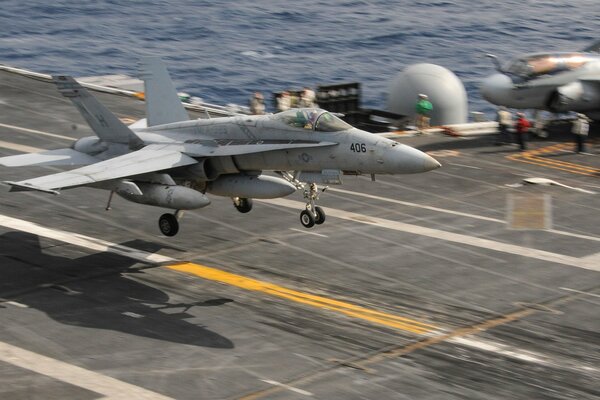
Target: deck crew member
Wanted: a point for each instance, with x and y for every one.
(423, 109)
(308, 98)
(522, 128)
(257, 104)
(283, 101)
(504, 118)
(580, 129)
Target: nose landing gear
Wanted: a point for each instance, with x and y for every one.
(313, 214)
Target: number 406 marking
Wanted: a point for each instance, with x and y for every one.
(358, 147)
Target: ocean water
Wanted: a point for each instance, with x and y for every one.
(223, 51)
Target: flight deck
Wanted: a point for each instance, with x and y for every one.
(479, 280)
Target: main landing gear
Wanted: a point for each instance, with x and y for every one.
(169, 223)
(242, 204)
(313, 214)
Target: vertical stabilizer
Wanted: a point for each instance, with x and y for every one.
(163, 105)
(104, 123)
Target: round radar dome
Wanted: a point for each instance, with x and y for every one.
(445, 92)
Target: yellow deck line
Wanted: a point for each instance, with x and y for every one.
(530, 160)
(351, 310)
(575, 168)
(566, 164)
(534, 157)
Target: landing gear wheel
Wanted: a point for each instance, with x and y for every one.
(307, 219)
(319, 215)
(243, 204)
(168, 224)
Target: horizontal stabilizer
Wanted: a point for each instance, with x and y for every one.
(151, 158)
(24, 187)
(66, 157)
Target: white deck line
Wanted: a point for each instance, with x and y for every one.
(109, 387)
(53, 135)
(447, 211)
(81, 240)
(19, 147)
(449, 236)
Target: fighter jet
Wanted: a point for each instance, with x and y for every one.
(556, 82)
(170, 161)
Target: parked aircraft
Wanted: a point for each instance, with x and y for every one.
(556, 82)
(170, 161)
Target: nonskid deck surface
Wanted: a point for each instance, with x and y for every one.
(414, 288)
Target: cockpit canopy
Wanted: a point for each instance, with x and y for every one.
(313, 119)
(537, 65)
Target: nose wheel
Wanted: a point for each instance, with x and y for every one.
(169, 223)
(313, 214)
(308, 218)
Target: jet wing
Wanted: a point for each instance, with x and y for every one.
(151, 158)
(238, 147)
(51, 157)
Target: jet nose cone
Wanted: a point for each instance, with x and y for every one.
(430, 163)
(408, 160)
(495, 88)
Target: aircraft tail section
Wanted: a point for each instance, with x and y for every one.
(593, 48)
(163, 105)
(103, 122)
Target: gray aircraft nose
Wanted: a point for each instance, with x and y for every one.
(430, 163)
(408, 160)
(495, 88)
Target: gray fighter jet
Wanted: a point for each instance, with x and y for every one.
(556, 82)
(170, 161)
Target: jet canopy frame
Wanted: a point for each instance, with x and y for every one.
(314, 119)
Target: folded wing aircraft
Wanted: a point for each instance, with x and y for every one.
(170, 161)
(555, 81)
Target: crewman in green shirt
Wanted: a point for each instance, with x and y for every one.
(424, 108)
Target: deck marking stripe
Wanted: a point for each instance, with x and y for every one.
(293, 389)
(535, 157)
(448, 236)
(308, 232)
(351, 310)
(447, 211)
(16, 304)
(81, 240)
(54, 135)
(401, 351)
(74, 375)
(565, 164)
(19, 147)
(580, 292)
(536, 161)
(406, 203)
(464, 166)
(214, 274)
